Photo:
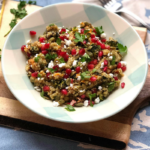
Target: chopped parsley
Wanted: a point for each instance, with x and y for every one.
(122, 49)
(51, 24)
(79, 37)
(86, 31)
(52, 70)
(94, 70)
(49, 56)
(99, 30)
(61, 60)
(39, 75)
(58, 41)
(91, 96)
(69, 108)
(85, 75)
(42, 93)
(113, 60)
(32, 2)
(36, 59)
(111, 86)
(85, 57)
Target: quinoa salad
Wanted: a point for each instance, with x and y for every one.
(75, 66)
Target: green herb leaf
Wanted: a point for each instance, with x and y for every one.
(94, 70)
(91, 96)
(85, 57)
(52, 70)
(39, 75)
(61, 60)
(49, 57)
(99, 30)
(13, 11)
(113, 61)
(58, 41)
(21, 4)
(69, 108)
(111, 86)
(79, 37)
(86, 31)
(85, 75)
(42, 93)
(122, 49)
(13, 23)
(36, 59)
(51, 24)
(63, 32)
(0, 49)
(32, 2)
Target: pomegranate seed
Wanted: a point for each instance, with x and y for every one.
(105, 62)
(43, 47)
(99, 43)
(62, 54)
(28, 54)
(83, 96)
(100, 54)
(32, 33)
(73, 52)
(105, 69)
(31, 70)
(62, 30)
(82, 31)
(46, 88)
(92, 36)
(102, 46)
(58, 52)
(82, 51)
(91, 62)
(44, 52)
(92, 102)
(71, 80)
(64, 92)
(93, 79)
(107, 47)
(47, 74)
(68, 71)
(94, 40)
(94, 30)
(66, 57)
(47, 45)
(119, 65)
(94, 90)
(22, 48)
(66, 76)
(123, 68)
(34, 74)
(84, 42)
(103, 40)
(42, 39)
(122, 85)
(95, 61)
(72, 102)
(63, 37)
(90, 66)
(77, 69)
(56, 67)
(116, 78)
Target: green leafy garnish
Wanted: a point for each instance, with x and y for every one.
(63, 32)
(94, 70)
(113, 60)
(69, 108)
(49, 57)
(61, 60)
(99, 30)
(58, 41)
(86, 31)
(85, 75)
(51, 24)
(85, 57)
(79, 37)
(91, 96)
(111, 86)
(39, 75)
(0, 49)
(42, 93)
(52, 70)
(32, 2)
(122, 49)
(36, 59)
(21, 4)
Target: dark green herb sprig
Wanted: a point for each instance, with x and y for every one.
(69, 108)
(91, 96)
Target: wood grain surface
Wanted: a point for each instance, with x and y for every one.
(113, 132)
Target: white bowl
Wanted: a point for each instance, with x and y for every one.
(70, 14)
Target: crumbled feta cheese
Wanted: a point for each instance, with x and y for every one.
(108, 54)
(71, 85)
(68, 42)
(111, 75)
(123, 63)
(115, 75)
(43, 43)
(80, 67)
(28, 42)
(97, 100)
(39, 90)
(61, 65)
(65, 46)
(79, 58)
(51, 64)
(67, 87)
(67, 35)
(42, 78)
(99, 87)
(31, 66)
(97, 37)
(86, 103)
(26, 62)
(110, 57)
(38, 78)
(84, 63)
(36, 87)
(85, 36)
(98, 58)
(89, 83)
(26, 46)
(78, 26)
(79, 30)
(74, 62)
(36, 55)
(72, 70)
(55, 104)
(79, 78)
(82, 90)
(102, 65)
(103, 35)
(67, 30)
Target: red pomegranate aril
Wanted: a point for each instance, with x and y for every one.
(47, 74)
(92, 102)
(94, 90)
(43, 47)
(62, 54)
(94, 40)
(66, 76)
(95, 61)
(119, 65)
(82, 51)
(34, 74)
(122, 85)
(90, 66)
(123, 68)
(107, 47)
(82, 31)
(46, 88)
(44, 52)
(22, 48)
(42, 39)
(102, 46)
(68, 71)
(84, 42)
(62, 30)
(72, 102)
(56, 67)
(91, 62)
(31, 70)
(116, 78)
(105, 69)
(93, 79)
(103, 40)
(47, 45)
(58, 52)
(64, 91)
(100, 54)
(66, 57)
(32, 33)
(28, 54)
(73, 52)
(71, 80)
(78, 69)
(105, 62)
(99, 43)
(83, 96)
(92, 36)
(94, 30)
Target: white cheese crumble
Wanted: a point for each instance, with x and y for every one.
(43, 43)
(55, 104)
(115, 75)
(67, 87)
(99, 87)
(72, 70)
(26, 46)
(38, 78)
(65, 46)
(78, 26)
(62, 64)
(110, 57)
(98, 58)
(102, 65)
(97, 37)
(67, 35)
(84, 63)
(68, 42)
(36, 87)
(71, 85)
(108, 54)
(111, 75)
(74, 63)
(123, 63)
(79, 78)
(28, 42)
(36, 55)
(103, 35)
(47, 71)
(82, 90)
(97, 100)
(39, 90)
(42, 78)
(89, 83)
(51, 64)
(67, 30)
(86, 103)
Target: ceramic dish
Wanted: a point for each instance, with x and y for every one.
(70, 14)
